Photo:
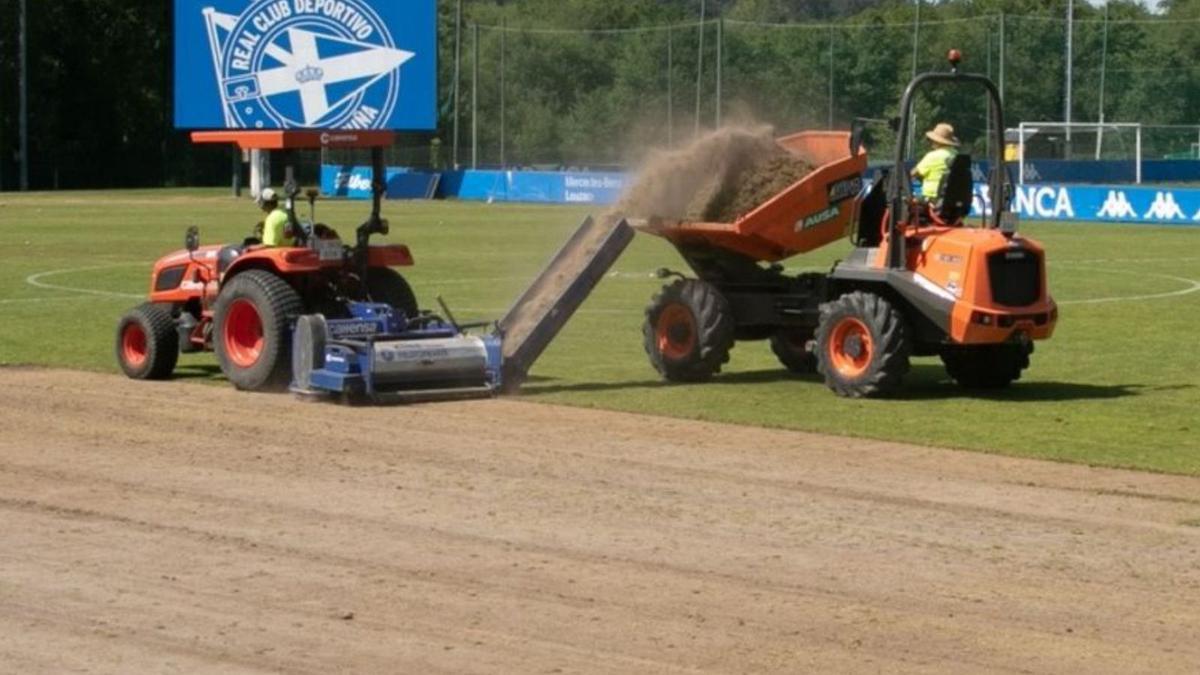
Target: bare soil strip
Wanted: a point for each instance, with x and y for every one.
(182, 528)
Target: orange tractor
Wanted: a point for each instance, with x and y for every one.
(920, 281)
(241, 301)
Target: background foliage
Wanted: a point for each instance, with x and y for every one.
(100, 76)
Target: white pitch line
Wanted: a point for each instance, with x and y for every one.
(58, 298)
(35, 280)
(1192, 287)
(1096, 261)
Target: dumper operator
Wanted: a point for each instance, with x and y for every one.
(934, 166)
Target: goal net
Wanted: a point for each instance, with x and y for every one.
(1097, 152)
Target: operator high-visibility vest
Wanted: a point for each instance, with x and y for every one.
(932, 168)
(275, 229)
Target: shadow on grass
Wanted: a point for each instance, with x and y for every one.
(198, 371)
(924, 382)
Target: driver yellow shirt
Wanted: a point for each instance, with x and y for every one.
(932, 168)
(275, 229)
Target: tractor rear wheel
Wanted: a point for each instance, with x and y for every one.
(794, 349)
(386, 285)
(147, 343)
(251, 336)
(689, 331)
(988, 366)
(862, 345)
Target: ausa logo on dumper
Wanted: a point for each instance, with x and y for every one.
(817, 218)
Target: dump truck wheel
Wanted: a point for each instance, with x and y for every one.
(252, 335)
(147, 343)
(794, 349)
(988, 366)
(386, 285)
(862, 345)
(689, 331)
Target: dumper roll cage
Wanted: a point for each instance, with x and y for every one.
(900, 189)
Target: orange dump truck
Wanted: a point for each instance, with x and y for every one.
(920, 281)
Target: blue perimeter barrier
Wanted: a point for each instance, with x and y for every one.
(1117, 204)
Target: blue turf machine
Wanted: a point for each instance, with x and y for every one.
(379, 355)
(382, 356)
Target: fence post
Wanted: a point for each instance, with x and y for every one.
(475, 97)
(23, 114)
(1003, 21)
(457, 72)
(830, 124)
(700, 65)
(503, 108)
(720, 45)
(670, 89)
(1103, 67)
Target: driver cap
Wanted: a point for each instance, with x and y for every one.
(268, 195)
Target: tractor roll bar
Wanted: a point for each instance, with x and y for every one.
(900, 187)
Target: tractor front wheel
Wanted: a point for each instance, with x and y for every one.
(988, 366)
(147, 343)
(252, 322)
(386, 285)
(862, 345)
(689, 331)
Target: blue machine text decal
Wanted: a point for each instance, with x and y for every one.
(305, 64)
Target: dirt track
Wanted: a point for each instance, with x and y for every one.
(162, 528)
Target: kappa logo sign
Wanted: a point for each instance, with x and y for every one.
(1164, 207)
(306, 64)
(1116, 205)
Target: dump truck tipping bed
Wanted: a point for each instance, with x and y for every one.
(546, 306)
(811, 213)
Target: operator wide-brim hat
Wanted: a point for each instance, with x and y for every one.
(944, 134)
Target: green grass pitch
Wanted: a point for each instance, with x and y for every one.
(1118, 385)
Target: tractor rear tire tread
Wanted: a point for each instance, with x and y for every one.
(986, 367)
(162, 342)
(278, 305)
(890, 345)
(714, 325)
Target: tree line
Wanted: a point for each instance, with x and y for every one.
(100, 76)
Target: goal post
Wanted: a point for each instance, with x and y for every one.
(1083, 141)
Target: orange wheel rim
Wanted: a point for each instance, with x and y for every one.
(243, 334)
(133, 345)
(850, 347)
(676, 332)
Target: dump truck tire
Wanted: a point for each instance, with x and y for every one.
(793, 349)
(862, 345)
(689, 331)
(147, 344)
(386, 285)
(988, 366)
(252, 330)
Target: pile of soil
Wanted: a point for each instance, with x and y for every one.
(748, 190)
(720, 176)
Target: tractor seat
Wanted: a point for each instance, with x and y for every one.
(956, 191)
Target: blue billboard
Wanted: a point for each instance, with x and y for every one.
(306, 64)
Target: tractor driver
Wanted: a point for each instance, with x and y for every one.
(934, 166)
(277, 229)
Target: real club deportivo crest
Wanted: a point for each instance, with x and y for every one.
(305, 64)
